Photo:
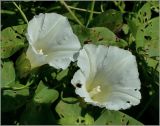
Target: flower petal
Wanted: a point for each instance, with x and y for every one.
(111, 76)
(51, 34)
(87, 61)
(35, 59)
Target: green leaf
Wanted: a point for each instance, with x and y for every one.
(151, 36)
(45, 95)
(102, 35)
(70, 17)
(13, 99)
(148, 37)
(152, 62)
(111, 19)
(115, 118)
(97, 35)
(132, 27)
(12, 40)
(7, 74)
(23, 66)
(37, 114)
(70, 113)
(38, 111)
(62, 74)
(146, 33)
(125, 28)
(89, 119)
(154, 6)
(144, 14)
(140, 37)
(139, 20)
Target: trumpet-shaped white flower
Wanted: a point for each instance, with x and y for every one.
(108, 77)
(51, 41)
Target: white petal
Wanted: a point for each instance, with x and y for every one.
(35, 59)
(78, 78)
(122, 64)
(53, 34)
(87, 61)
(111, 76)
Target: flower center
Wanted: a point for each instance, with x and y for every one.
(95, 91)
(40, 51)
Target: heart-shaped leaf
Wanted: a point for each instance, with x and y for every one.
(23, 66)
(70, 113)
(98, 35)
(115, 118)
(7, 74)
(14, 99)
(45, 95)
(110, 19)
(12, 39)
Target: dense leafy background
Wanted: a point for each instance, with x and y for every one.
(45, 96)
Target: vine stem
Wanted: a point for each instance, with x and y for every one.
(20, 88)
(22, 13)
(120, 8)
(91, 13)
(70, 11)
(102, 10)
(81, 9)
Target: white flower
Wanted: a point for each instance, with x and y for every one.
(108, 77)
(51, 41)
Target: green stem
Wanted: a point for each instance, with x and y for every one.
(102, 10)
(91, 14)
(118, 5)
(67, 101)
(70, 11)
(20, 88)
(80, 9)
(23, 15)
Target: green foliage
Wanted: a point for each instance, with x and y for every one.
(111, 19)
(13, 99)
(8, 74)
(151, 37)
(146, 33)
(70, 113)
(62, 74)
(38, 110)
(115, 118)
(37, 114)
(31, 97)
(12, 40)
(50, 94)
(98, 35)
(23, 66)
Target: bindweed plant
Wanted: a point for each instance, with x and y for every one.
(80, 63)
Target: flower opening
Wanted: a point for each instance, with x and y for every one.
(51, 41)
(109, 77)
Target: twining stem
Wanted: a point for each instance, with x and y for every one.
(70, 11)
(20, 88)
(118, 5)
(81, 9)
(67, 101)
(23, 15)
(91, 13)
(102, 10)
